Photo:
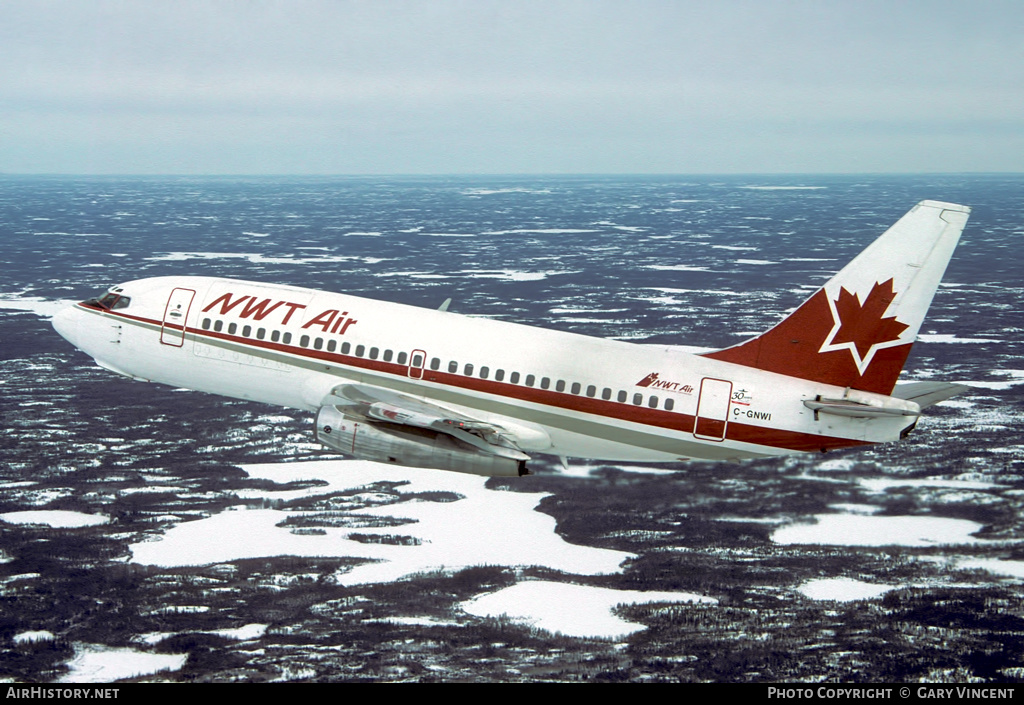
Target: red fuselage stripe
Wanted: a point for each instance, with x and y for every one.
(674, 421)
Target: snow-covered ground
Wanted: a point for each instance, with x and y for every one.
(483, 527)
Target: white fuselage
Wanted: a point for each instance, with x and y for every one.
(558, 393)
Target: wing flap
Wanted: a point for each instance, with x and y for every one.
(383, 405)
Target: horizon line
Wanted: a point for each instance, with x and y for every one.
(776, 174)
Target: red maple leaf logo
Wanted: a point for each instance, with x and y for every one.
(863, 326)
(648, 380)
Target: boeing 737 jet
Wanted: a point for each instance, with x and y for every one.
(435, 389)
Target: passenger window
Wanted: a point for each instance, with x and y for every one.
(435, 363)
(360, 350)
(346, 348)
(622, 396)
(388, 354)
(453, 367)
(560, 385)
(669, 404)
(606, 393)
(374, 352)
(514, 379)
(275, 335)
(638, 399)
(218, 325)
(417, 360)
(318, 343)
(485, 372)
(545, 382)
(653, 402)
(468, 369)
(575, 389)
(232, 327)
(499, 375)
(247, 331)
(530, 379)
(591, 390)
(287, 339)
(402, 357)
(261, 333)
(206, 324)
(304, 341)
(332, 345)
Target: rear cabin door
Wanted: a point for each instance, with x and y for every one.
(417, 360)
(712, 409)
(172, 331)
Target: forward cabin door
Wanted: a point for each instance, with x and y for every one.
(172, 331)
(712, 409)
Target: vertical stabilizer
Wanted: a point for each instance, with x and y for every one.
(857, 330)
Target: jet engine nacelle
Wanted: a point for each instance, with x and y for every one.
(401, 444)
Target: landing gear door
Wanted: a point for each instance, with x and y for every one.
(172, 331)
(712, 409)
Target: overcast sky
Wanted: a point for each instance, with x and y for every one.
(335, 87)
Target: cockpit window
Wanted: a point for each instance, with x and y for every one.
(112, 301)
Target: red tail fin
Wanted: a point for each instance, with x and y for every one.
(857, 330)
(795, 347)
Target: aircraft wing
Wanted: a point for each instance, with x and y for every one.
(375, 405)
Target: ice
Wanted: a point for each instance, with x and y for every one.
(95, 663)
(842, 589)
(676, 267)
(881, 484)
(54, 518)
(541, 231)
(256, 258)
(493, 191)
(951, 338)
(1013, 569)
(573, 610)
(46, 308)
(857, 530)
(509, 274)
(784, 188)
(452, 535)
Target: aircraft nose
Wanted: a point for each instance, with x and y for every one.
(66, 323)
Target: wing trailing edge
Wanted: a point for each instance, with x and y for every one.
(377, 424)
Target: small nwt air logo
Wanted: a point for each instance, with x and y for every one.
(654, 382)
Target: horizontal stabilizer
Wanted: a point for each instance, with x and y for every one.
(841, 407)
(863, 405)
(926, 394)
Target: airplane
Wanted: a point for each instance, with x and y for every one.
(435, 389)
